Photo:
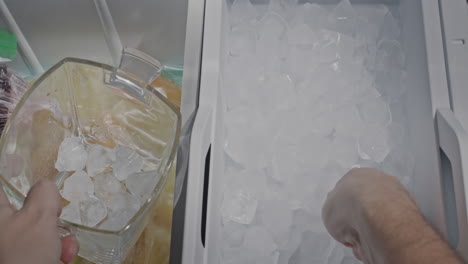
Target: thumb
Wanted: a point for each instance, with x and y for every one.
(70, 248)
(43, 199)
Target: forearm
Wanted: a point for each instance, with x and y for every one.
(396, 232)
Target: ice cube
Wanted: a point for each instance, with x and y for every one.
(71, 213)
(242, 41)
(280, 90)
(239, 206)
(348, 121)
(92, 211)
(350, 260)
(326, 48)
(347, 47)
(245, 142)
(277, 219)
(375, 112)
(123, 201)
(372, 143)
(272, 26)
(397, 135)
(314, 15)
(337, 255)
(259, 240)
(127, 161)
(301, 35)
(344, 151)
(293, 242)
(71, 155)
(343, 18)
(99, 158)
(121, 209)
(106, 185)
(390, 28)
(116, 221)
(242, 11)
(399, 162)
(142, 184)
(233, 233)
(254, 182)
(298, 155)
(78, 186)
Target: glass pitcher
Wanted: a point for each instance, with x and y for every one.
(100, 105)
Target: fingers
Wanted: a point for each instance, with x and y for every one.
(43, 198)
(69, 248)
(5, 207)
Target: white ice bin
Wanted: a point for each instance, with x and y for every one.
(435, 36)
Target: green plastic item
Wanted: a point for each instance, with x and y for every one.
(173, 73)
(8, 46)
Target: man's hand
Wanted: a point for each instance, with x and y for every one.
(372, 212)
(30, 235)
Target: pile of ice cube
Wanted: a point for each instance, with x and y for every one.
(107, 186)
(311, 91)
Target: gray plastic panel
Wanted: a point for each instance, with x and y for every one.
(154, 27)
(454, 14)
(58, 29)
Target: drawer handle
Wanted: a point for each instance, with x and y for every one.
(197, 189)
(453, 144)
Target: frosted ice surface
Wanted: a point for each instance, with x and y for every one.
(277, 218)
(142, 184)
(71, 155)
(373, 143)
(399, 162)
(348, 121)
(249, 150)
(326, 47)
(301, 35)
(106, 185)
(350, 260)
(314, 248)
(343, 18)
(242, 11)
(234, 233)
(344, 151)
(259, 240)
(337, 255)
(298, 154)
(314, 15)
(397, 135)
(77, 187)
(280, 90)
(390, 28)
(71, 213)
(99, 158)
(92, 211)
(376, 112)
(272, 27)
(239, 206)
(127, 161)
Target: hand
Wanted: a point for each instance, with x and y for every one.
(30, 235)
(365, 205)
